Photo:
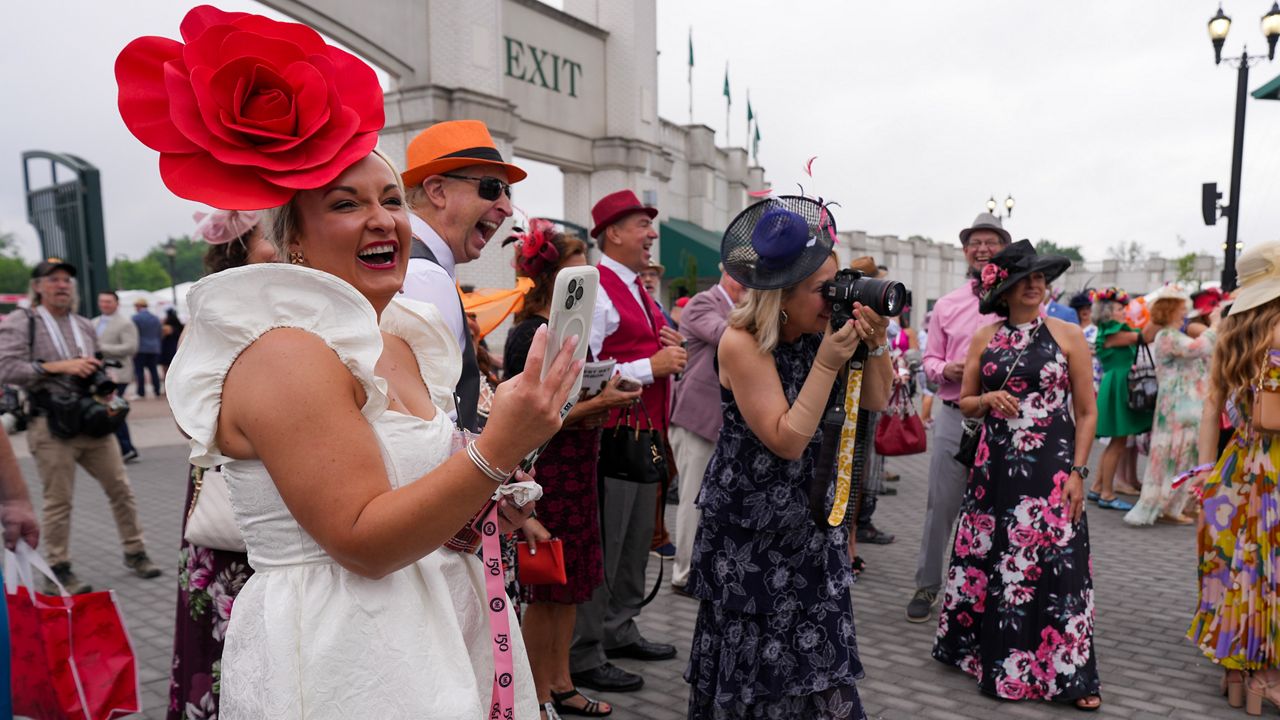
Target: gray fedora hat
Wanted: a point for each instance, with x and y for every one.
(985, 221)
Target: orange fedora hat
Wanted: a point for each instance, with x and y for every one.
(451, 145)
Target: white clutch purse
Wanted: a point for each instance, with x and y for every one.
(210, 522)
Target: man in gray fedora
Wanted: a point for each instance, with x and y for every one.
(954, 320)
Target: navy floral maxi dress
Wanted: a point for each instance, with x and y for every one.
(774, 636)
(1018, 609)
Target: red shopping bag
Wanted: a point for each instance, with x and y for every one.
(900, 431)
(72, 657)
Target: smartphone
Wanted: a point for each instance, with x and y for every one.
(573, 300)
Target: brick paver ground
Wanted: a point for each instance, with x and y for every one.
(1144, 579)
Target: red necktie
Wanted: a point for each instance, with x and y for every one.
(647, 303)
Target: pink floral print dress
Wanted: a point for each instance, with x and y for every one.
(1017, 612)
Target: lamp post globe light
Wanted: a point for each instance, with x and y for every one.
(1219, 26)
(171, 251)
(1008, 207)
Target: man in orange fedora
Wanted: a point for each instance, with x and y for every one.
(459, 190)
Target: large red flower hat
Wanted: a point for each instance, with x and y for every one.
(250, 110)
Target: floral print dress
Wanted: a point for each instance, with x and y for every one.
(1017, 613)
(774, 636)
(1182, 369)
(1237, 620)
(208, 582)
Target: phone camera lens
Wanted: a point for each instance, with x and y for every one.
(573, 285)
(568, 303)
(577, 294)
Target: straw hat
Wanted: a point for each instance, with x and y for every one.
(1258, 276)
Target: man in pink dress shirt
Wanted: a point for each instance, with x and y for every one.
(954, 320)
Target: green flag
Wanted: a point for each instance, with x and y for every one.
(728, 98)
(750, 115)
(755, 142)
(690, 47)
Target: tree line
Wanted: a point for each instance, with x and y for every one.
(151, 272)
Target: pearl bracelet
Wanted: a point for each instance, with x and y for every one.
(489, 469)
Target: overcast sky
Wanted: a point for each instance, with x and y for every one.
(1101, 118)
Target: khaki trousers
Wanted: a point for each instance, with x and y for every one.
(56, 461)
(693, 454)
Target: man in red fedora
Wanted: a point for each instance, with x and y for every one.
(459, 189)
(627, 326)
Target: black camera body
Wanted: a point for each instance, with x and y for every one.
(885, 297)
(100, 384)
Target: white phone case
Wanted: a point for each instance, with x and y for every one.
(573, 300)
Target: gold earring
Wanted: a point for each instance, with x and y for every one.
(295, 257)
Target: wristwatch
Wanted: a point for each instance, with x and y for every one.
(879, 351)
(1082, 470)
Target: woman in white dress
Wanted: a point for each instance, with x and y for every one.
(325, 400)
(336, 451)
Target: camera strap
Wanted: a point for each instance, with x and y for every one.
(55, 334)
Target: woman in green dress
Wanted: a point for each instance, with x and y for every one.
(1117, 347)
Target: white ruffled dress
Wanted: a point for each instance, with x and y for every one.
(307, 638)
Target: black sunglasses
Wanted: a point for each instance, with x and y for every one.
(488, 187)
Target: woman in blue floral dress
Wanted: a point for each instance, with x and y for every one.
(774, 636)
(1018, 607)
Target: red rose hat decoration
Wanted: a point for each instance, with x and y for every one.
(250, 110)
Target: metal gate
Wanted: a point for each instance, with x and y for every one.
(67, 214)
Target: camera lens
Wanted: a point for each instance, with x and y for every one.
(568, 303)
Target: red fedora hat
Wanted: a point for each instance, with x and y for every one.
(615, 206)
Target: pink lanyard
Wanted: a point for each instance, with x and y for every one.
(502, 699)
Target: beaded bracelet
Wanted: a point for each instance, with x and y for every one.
(489, 469)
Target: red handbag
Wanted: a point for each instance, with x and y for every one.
(900, 431)
(72, 658)
(544, 568)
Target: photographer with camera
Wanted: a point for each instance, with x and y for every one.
(775, 633)
(50, 352)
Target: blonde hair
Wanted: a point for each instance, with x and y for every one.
(1241, 350)
(280, 224)
(760, 313)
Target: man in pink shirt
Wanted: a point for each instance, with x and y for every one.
(954, 320)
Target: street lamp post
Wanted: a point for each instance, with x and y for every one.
(171, 251)
(1219, 26)
(1008, 207)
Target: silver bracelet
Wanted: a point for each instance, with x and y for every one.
(879, 351)
(490, 471)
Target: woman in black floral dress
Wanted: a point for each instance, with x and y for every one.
(208, 580)
(774, 636)
(1018, 607)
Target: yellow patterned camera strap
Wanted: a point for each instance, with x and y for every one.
(848, 444)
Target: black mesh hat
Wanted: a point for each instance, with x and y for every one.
(778, 242)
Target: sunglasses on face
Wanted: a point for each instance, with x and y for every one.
(489, 188)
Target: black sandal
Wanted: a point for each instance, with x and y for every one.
(591, 709)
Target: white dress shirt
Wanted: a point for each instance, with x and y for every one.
(605, 320)
(436, 284)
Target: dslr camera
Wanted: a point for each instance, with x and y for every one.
(99, 384)
(885, 297)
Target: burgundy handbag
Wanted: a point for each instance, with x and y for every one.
(900, 431)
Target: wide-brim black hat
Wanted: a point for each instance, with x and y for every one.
(778, 242)
(1016, 262)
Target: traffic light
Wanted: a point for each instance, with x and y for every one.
(1209, 197)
